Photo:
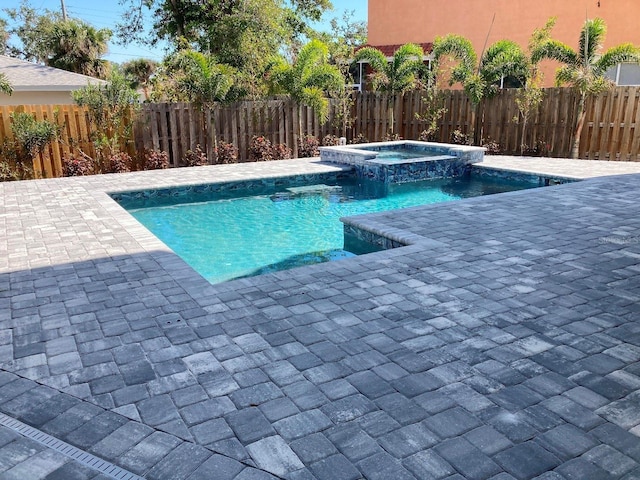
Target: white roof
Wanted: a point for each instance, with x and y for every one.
(29, 77)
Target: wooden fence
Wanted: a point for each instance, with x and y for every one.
(178, 127)
(74, 133)
(611, 131)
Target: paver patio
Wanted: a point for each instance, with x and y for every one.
(503, 342)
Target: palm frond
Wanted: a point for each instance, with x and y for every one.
(457, 47)
(624, 53)
(504, 59)
(591, 39)
(555, 50)
(374, 57)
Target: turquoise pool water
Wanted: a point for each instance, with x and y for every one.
(257, 231)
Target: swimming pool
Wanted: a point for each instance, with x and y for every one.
(243, 232)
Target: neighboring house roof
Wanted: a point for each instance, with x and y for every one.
(29, 77)
(389, 50)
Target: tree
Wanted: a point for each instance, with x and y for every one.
(396, 76)
(109, 106)
(241, 33)
(71, 45)
(4, 37)
(584, 69)
(203, 81)
(138, 72)
(307, 80)
(530, 96)
(342, 40)
(76, 46)
(503, 59)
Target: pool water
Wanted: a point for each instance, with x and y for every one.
(399, 155)
(253, 232)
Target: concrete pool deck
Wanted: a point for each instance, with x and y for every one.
(503, 343)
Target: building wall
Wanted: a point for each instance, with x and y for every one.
(402, 21)
(37, 98)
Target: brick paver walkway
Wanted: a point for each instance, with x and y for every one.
(504, 342)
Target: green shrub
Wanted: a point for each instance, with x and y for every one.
(32, 135)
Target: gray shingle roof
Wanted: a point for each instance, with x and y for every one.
(26, 76)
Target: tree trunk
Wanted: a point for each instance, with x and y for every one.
(523, 133)
(580, 117)
(472, 123)
(300, 122)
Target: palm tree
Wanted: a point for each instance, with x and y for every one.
(584, 69)
(204, 82)
(396, 76)
(5, 86)
(76, 46)
(503, 59)
(307, 80)
(139, 72)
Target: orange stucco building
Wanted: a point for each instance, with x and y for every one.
(420, 21)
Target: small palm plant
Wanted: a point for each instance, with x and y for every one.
(204, 82)
(481, 79)
(394, 77)
(307, 80)
(584, 69)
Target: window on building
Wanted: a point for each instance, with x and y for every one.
(625, 74)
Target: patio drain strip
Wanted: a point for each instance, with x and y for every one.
(80, 456)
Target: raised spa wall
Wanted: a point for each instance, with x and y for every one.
(444, 160)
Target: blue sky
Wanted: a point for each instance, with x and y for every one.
(106, 13)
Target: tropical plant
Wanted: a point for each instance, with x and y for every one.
(345, 36)
(307, 80)
(243, 34)
(45, 37)
(584, 69)
(195, 157)
(76, 46)
(155, 160)
(308, 146)
(139, 72)
(203, 81)
(111, 107)
(226, 153)
(503, 59)
(77, 165)
(396, 76)
(5, 85)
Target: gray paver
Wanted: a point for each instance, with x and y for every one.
(506, 330)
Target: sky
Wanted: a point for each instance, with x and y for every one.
(106, 13)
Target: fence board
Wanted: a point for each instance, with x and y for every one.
(612, 125)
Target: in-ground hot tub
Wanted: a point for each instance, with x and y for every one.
(405, 160)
